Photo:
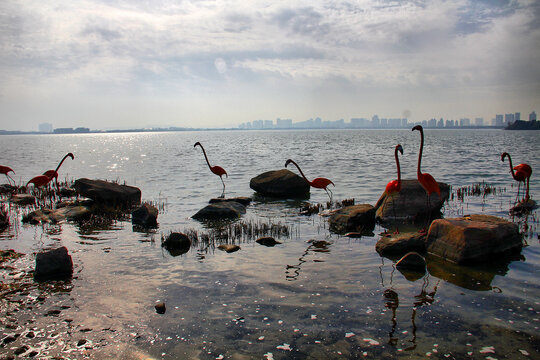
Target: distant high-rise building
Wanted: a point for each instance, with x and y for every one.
(517, 116)
(359, 122)
(404, 123)
(464, 122)
(479, 121)
(508, 118)
(283, 123)
(45, 127)
(440, 123)
(432, 123)
(375, 122)
(532, 116)
(499, 120)
(257, 124)
(268, 124)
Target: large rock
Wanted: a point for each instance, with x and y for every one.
(53, 265)
(177, 244)
(108, 193)
(399, 244)
(473, 237)
(280, 183)
(145, 215)
(410, 203)
(221, 210)
(357, 218)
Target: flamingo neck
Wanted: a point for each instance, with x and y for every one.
(301, 173)
(206, 157)
(61, 162)
(418, 172)
(398, 168)
(511, 167)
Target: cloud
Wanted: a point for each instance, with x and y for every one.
(206, 49)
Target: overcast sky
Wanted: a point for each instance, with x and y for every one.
(120, 64)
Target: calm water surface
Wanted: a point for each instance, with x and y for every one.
(293, 300)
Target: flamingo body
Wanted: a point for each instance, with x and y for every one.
(5, 170)
(40, 180)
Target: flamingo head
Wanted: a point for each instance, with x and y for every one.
(288, 162)
(71, 156)
(399, 148)
(503, 155)
(418, 127)
(197, 143)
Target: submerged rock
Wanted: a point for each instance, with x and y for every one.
(524, 207)
(412, 265)
(472, 238)
(280, 183)
(145, 215)
(267, 241)
(411, 203)
(354, 218)
(221, 210)
(177, 244)
(160, 308)
(7, 189)
(229, 247)
(23, 199)
(53, 265)
(108, 193)
(44, 215)
(402, 243)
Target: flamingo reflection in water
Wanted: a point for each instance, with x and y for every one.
(292, 272)
(391, 298)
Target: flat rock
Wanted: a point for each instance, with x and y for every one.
(23, 199)
(473, 237)
(354, 218)
(280, 183)
(244, 200)
(53, 265)
(221, 210)
(229, 247)
(108, 193)
(177, 244)
(45, 215)
(410, 203)
(402, 243)
(145, 215)
(524, 207)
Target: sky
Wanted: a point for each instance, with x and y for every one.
(113, 64)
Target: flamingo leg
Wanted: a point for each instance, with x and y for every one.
(527, 196)
(330, 194)
(517, 196)
(223, 193)
(9, 177)
(395, 218)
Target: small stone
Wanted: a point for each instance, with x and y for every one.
(21, 350)
(267, 241)
(9, 339)
(177, 244)
(81, 342)
(229, 247)
(160, 308)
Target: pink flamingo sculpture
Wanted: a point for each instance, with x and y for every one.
(53, 174)
(319, 183)
(394, 186)
(218, 170)
(5, 170)
(427, 181)
(520, 172)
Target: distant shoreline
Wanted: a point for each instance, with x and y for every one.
(6, 132)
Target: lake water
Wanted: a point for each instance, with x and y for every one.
(293, 300)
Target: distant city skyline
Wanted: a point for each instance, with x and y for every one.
(213, 64)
